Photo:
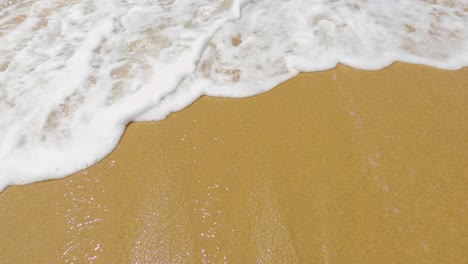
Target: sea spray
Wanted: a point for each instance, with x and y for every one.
(74, 73)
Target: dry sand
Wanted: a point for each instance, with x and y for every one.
(342, 166)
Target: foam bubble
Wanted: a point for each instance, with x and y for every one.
(74, 73)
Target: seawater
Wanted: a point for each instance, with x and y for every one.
(73, 73)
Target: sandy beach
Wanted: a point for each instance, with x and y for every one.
(341, 166)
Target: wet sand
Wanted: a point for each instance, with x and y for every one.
(342, 166)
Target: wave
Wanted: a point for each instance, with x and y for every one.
(74, 73)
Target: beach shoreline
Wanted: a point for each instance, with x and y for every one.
(331, 166)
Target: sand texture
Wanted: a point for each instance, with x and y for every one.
(342, 166)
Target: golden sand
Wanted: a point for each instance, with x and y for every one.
(342, 166)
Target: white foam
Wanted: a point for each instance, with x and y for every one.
(74, 73)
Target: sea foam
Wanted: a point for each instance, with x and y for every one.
(74, 73)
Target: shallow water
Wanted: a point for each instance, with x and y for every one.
(74, 73)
